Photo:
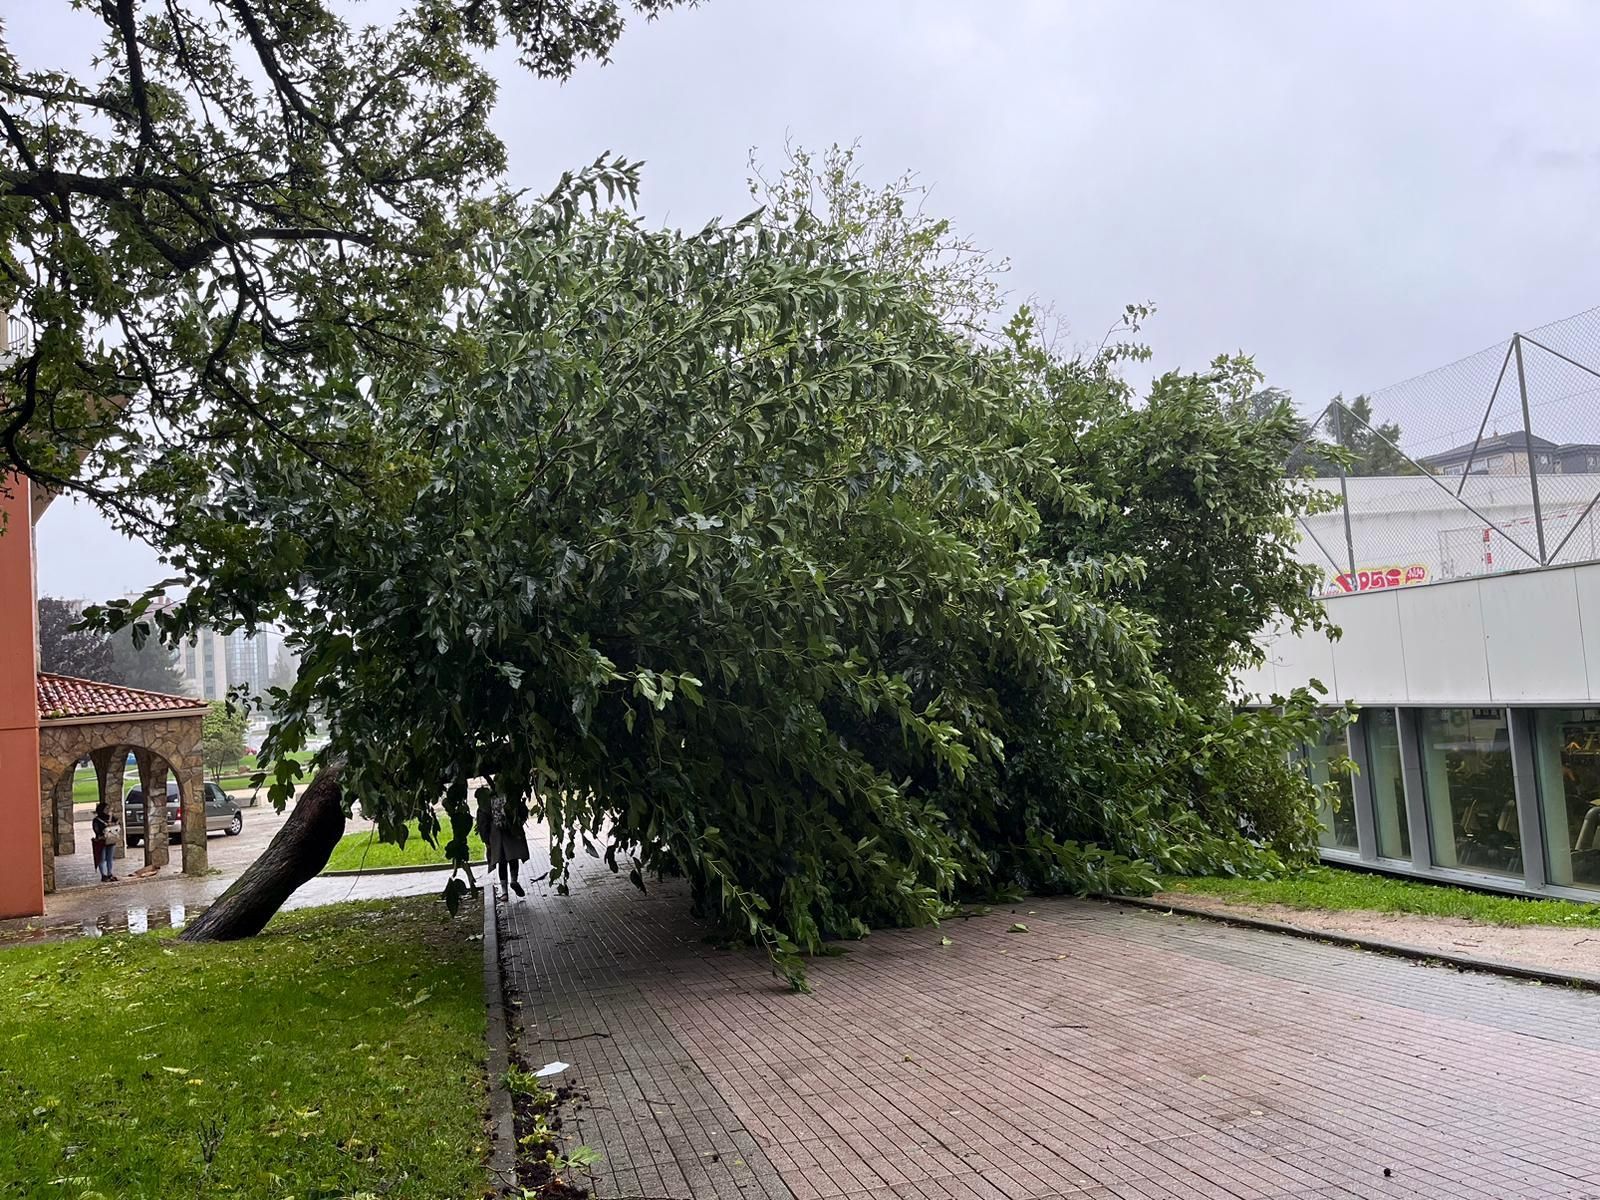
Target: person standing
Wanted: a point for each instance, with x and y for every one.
(505, 842)
(104, 842)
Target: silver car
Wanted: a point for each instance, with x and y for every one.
(222, 814)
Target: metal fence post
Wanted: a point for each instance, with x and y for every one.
(1344, 492)
(1527, 441)
(1524, 776)
(1407, 721)
(1361, 791)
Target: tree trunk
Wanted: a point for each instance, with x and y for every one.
(296, 853)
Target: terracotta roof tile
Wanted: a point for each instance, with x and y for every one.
(62, 697)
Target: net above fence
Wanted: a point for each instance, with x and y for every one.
(1489, 464)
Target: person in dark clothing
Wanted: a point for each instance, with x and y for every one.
(507, 845)
(104, 850)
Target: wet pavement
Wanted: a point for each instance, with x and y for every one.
(171, 899)
(230, 855)
(171, 903)
(1054, 1049)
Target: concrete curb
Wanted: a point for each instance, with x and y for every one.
(502, 1121)
(413, 869)
(1488, 966)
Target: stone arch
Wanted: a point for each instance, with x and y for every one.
(161, 746)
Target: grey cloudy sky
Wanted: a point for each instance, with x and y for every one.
(1351, 192)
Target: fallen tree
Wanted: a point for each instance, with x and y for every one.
(731, 549)
(737, 546)
(297, 852)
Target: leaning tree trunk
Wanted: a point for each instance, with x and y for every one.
(296, 853)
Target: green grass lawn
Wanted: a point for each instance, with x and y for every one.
(85, 789)
(338, 1053)
(1331, 888)
(356, 851)
(245, 773)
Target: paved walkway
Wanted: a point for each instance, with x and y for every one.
(227, 855)
(1105, 1054)
(171, 898)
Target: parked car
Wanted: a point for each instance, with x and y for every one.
(222, 814)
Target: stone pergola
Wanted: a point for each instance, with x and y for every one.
(78, 719)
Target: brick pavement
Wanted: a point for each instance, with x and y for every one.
(1106, 1054)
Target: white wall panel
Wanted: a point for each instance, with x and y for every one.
(1370, 656)
(1533, 637)
(1441, 630)
(1302, 659)
(1260, 683)
(1527, 638)
(1586, 580)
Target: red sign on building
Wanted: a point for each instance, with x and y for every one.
(1368, 579)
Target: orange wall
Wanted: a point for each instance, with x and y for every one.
(21, 861)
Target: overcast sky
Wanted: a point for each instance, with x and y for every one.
(1353, 193)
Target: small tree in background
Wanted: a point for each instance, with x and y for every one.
(886, 227)
(222, 737)
(284, 667)
(1374, 446)
(91, 654)
(148, 664)
(65, 649)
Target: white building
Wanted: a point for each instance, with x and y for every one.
(1477, 750)
(249, 661)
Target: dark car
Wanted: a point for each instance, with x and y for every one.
(222, 814)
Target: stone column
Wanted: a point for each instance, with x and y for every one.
(109, 764)
(191, 792)
(47, 832)
(156, 851)
(66, 836)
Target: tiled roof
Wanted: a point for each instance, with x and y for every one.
(62, 697)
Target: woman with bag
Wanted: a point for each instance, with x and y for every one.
(506, 843)
(107, 837)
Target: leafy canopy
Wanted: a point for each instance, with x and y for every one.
(739, 554)
(728, 556)
(244, 197)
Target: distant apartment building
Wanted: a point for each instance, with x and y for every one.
(249, 661)
(213, 663)
(203, 663)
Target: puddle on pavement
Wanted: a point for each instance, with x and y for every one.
(136, 918)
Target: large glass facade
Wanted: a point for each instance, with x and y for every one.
(1327, 761)
(1469, 790)
(1471, 793)
(1382, 730)
(1567, 755)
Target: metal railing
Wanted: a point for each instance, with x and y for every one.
(1487, 465)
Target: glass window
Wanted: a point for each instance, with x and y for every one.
(1327, 761)
(1567, 754)
(1382, 732)
(1472, 801)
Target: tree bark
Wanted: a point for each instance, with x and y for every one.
(296, 853)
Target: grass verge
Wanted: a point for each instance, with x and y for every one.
(86, 786)
(358, 851)
(1332, 889)
(338, 1053)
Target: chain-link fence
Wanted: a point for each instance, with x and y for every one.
(1489, 464)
